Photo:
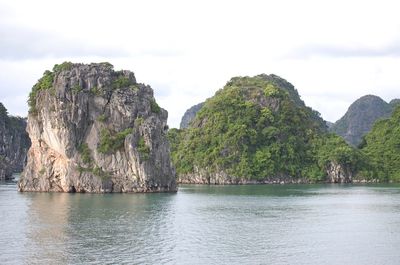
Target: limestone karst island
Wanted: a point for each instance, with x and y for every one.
(94, 129)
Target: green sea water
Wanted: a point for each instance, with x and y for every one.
(249, 224)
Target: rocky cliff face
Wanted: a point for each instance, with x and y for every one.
(189, 115)
(14, 144)
(339, 173)
(94, 129)
(204, 176)
(361, 116)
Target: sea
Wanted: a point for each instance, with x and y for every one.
(201, 224)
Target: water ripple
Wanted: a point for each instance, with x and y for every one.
(283, 224)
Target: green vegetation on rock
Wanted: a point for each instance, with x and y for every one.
(102, 118)
(154, 106)
(272, 91)
(121, 82)
(107, 65)
(100, 173)
(85, 153)
(96, 171)
(111, 142)
(139, 121)
(65, 66)
(255, 128)
(333, 148)
(95, 91)
(46, 82)
(382, 147)
(143, 149)
(76, 88)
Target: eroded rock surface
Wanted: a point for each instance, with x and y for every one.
(14, 144)
(97, 130)
(338, 173)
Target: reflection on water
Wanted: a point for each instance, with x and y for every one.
(94, 228)
(47, 222)
(282, 224)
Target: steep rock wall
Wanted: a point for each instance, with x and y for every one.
(14, 144)
(97, 130)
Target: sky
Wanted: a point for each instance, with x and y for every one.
(333, 52)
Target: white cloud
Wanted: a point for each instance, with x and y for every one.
(24, 43)
(332, 51)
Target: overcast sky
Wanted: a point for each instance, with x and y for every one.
(333, 52)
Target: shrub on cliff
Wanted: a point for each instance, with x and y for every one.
(110, 142)
(45, 82)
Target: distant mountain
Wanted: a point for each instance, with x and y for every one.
(394, 102)
(361, 116)
(189, 115)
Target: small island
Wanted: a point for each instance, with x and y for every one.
(96, 130)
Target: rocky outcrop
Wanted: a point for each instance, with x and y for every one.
(14, 144)
(338, 173)
(96, 130)
(189, 115)
(361, 116)
(203, 176)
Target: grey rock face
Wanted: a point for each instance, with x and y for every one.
(189, 115)
(97, 130)
(203, 176)
(14, 144)
(338, 173)
(394, 102)
(329, 124)
(361, 116)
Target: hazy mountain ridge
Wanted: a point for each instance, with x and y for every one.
(361, 116)
(189, 115)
